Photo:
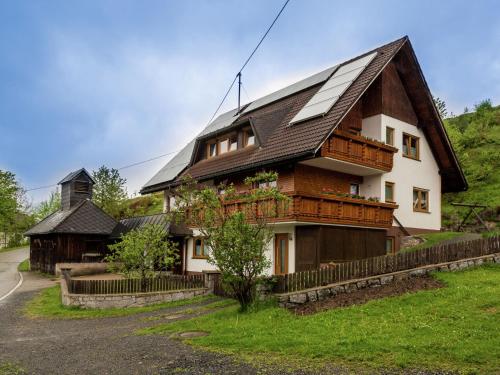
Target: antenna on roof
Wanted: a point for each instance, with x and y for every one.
(239, 91)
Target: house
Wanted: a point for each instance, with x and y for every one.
(77, 232)
(359, 147)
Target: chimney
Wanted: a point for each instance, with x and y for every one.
(75, 188)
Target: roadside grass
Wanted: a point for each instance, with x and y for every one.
(453, 328)
(9, 368)
(432, 239)
(24, 266)
(47, 304)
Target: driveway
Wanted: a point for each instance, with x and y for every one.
(9, 277)
(102, 346)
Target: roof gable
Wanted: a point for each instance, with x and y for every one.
(80, 174)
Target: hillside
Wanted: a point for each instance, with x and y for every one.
(476, 139)
(143, 205)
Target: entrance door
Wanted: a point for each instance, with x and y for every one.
(281, 254)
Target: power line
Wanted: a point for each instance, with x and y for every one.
(124, 167)
(248, 60)
(216, 111)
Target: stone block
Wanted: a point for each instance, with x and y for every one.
(463, 265)
(452, 266)
(312, 296)
(478, 262)
(443, 268)
(417, 273)
(337, 290)
(386, 279)
(362, 284)
(323, 293)
(373, 282)
(351, 287)
(298, 298)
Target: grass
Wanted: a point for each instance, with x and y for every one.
(432, 239)
(9, 368)
(453, 328)
(47, 304)
(24, 266)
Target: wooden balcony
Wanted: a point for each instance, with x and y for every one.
(320, 208)
(359, 150)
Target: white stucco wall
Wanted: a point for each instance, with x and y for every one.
(200, 265)
(406, 174)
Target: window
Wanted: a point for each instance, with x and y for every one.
(212, 150)
(410, 146)
(233, 144)
(249, 138)
(199, 248)
(389, 191)
(420, 200)
(389, 245)
(389, 136)
(354, 189)
(224, 146)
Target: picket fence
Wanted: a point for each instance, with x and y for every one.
(385, 264)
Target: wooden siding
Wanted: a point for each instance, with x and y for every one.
(388, 96)
(317, 180)
(319, 245)
(47, 250)
(359, 150)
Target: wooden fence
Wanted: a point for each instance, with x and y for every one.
(386, 264)
(124, 286)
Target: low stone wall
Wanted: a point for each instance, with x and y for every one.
(82, 269)
(320, 293)
(104, 301)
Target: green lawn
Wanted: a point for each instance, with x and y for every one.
(47, 304)
(24, 266)
(452, 328)
(432, 239)
(9, 368)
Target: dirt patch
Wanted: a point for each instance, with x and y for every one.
(362, 296)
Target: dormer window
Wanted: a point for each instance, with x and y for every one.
(224, 146)
(249, 138)
(233, 144)
(212, 150)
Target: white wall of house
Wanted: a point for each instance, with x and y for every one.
(406, 174)
(200, 265)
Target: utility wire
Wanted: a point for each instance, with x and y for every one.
(216, 111)
(248, 59)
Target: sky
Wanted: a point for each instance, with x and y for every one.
(115, 82)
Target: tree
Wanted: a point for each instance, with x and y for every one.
(441, 107)
(109, 190)
(13, 207)
(47, 207)
(143, 252)
(237, 239)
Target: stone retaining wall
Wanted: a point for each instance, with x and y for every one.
(104, 301)
(320, 293)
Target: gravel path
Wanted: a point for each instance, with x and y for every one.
(100, 346)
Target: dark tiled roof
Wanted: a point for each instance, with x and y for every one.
(84, 218)
(72, 175)
(285, 141)
(281, 141)
(126, 225)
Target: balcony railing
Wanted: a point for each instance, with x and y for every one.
(359, 150)
(319, 208)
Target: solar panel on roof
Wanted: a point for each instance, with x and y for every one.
(333, 89)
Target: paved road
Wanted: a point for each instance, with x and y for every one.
(9, 277)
